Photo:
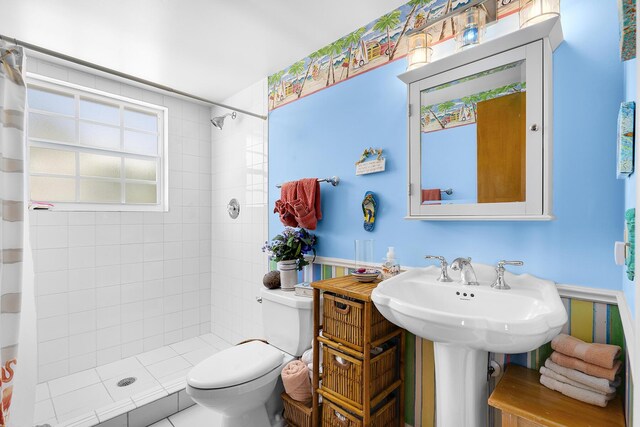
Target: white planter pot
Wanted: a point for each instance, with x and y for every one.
(288, 274)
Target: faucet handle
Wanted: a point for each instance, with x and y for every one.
(500, 282)
(502, 263)
(444, 275)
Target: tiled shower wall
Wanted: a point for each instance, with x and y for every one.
(239, 170)
(114, 284)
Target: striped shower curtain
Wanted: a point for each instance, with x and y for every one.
(12, 152)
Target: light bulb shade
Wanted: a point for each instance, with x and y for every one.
(534, 11)
(470, 27)
(418, 49)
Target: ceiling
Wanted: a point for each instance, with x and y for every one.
(210, 48)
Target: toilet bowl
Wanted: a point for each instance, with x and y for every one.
(242, 384)
(237, 383)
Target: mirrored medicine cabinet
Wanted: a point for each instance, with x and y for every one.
(480, 130)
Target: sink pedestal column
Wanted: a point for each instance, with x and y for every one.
(461, 386)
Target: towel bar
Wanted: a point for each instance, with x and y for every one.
(334, 180)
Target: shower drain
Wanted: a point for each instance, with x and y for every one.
(126, 381)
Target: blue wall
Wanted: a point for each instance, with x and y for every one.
(324, 134)
(438, 171)
(630, 94)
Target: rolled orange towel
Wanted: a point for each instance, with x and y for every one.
(597, 354)
(295, 378)
(587, 368)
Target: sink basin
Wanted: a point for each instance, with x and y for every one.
(501, 321)
(465, 323)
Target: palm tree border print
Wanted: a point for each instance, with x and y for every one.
(371, 46)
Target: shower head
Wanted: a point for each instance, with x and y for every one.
(218, 122)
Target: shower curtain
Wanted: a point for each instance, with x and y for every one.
(12, 213)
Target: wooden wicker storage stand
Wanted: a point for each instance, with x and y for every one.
(359, 389)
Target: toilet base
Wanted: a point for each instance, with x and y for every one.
(199, 416)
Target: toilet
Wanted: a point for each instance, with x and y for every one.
(241, 385)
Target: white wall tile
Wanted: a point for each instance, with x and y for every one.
(92, 267)
(53, 328)
(52, 282)
(82, 235)
(52, 305)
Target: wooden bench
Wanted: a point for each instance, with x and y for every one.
(525, 402)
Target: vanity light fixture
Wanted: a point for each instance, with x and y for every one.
(419, 49)
(470, 27)
(534, 11)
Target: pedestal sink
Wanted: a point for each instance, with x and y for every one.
(466, 323)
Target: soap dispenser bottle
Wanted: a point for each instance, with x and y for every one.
(390, 266)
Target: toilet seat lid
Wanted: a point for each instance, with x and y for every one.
(235, 365)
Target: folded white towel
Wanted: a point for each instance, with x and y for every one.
(602, 385)
(556, 376)
(576, 392)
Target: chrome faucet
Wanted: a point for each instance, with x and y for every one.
(467, 275)
(500, 283)
(444, 275)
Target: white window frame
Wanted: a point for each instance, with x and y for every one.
(77, 91)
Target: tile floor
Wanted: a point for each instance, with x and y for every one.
(93, 396)
(195, 416)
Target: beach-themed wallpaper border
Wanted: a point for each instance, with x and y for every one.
(589, 321)
(366, 48)
(627, 12)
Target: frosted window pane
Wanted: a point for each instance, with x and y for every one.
(93, 190)
(96, 165)
(141, 193)
(51, 127)
(57, 162)
(48, 189)
(99, 136)
(142, 143)
(45, 100)
(141, 121)
(140, 169)
(99, 112)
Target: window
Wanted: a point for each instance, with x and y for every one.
(91, 150)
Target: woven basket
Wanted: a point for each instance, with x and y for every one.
(343, 322)
(385, 416)
(297, 414)
(342, 374)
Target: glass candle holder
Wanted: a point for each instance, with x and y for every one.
(470, 27)
(418, 49)
(364, 254)
(534, 11)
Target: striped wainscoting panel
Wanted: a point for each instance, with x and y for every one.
(589, 321)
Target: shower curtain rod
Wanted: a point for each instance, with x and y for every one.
(78, 61)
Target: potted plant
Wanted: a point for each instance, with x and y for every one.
(288, 250)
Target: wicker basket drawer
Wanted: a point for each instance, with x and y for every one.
(342, 374)
(384, 416)
(297, 414)
(343, 322)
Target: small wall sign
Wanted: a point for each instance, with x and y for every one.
(364, 167)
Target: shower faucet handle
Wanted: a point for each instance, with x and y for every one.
(444, 275)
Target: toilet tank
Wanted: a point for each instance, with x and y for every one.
(287, 320)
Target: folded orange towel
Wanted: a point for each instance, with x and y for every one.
(598, 354)
(577, 393)
(295, 378)
(587, 368)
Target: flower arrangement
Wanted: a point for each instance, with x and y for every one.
(292, 244)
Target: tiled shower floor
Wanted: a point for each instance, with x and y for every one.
(94, 393)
